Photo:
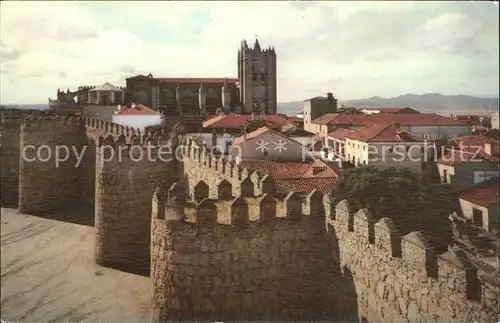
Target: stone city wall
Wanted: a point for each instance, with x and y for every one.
(10, 130)
(48, 184)
(227, 259)
(400, 279)
(129, 166)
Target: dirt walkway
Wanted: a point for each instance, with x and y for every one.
(48, 274)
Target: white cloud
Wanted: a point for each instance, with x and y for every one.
(354, 49)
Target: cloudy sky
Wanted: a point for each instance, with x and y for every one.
(354, 50)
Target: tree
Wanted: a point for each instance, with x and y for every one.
(401, 195)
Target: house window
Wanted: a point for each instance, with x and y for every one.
(264, 153)
(228, 146)
(262, 76)
(364, 162)
(364, 148)
(408, 149)
(477, 217)
(254, 76)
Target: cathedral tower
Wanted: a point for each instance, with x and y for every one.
(257, 75)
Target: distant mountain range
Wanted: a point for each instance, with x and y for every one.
(425, 103)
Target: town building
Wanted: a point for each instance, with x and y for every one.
(480, 205)
(495, 120)
(384, 145)
(469, 161)
(267, 144)
(230, 126)
(316, 107)
(430, 126)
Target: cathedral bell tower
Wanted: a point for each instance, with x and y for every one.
(258, 78)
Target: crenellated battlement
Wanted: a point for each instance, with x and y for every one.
(108, 133)
(86, 87)
(211, 175)
(229, 210)
(232, 258)
(409, 263)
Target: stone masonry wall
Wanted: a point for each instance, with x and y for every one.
(400, 279)
(239, 251)
(45, 187)
(211, 262)
(124, 185)
(11, 136)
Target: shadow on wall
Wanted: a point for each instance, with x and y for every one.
(345, 297)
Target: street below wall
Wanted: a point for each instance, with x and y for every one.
(49, 275)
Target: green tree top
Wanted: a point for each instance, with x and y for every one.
(404, 197)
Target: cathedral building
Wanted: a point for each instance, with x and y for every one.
(253, 91)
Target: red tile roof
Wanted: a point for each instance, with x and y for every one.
(260, 131)
(138, 110)
(472, 143)
(307, 185)
(238, 120)
(187, 80)
(334, 118)
(453, 157)
(484, 195)
(340, 133)
(382, 133)
(295, 119)
(402, 119)
(479, 129)
(300, 176)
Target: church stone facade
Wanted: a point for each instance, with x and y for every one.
(253, 91)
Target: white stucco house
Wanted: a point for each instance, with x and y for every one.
(137, 116)
(386, 145)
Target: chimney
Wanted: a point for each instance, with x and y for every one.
(487, 148)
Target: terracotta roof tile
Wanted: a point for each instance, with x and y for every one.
(307, 185)
(382, 132)
(472, 143)
(454, 157)
(402, 119)
(238, 120)
(298, 175)
(138, 110)
(290, 170)
(483, 195)
(340, 133)
(260, 131)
